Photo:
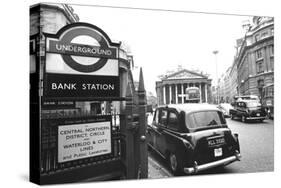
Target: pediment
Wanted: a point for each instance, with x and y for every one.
(184, 74)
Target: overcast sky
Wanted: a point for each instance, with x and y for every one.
(162, 40)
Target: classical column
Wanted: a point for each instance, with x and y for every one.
(182, 94)
(206, 92)
(170, 94)
(176, 92)
(200, 94)
(164, 94)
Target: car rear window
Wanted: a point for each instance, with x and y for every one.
(204, 119)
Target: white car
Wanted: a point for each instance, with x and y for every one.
(225, 108)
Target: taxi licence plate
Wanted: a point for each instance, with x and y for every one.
(218, 152)
(258, 114)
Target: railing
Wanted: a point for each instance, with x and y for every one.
(49, 141)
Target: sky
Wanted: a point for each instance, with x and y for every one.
(162, 40)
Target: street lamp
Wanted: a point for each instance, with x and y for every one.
(215, 52)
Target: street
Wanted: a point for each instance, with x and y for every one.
(256, 145)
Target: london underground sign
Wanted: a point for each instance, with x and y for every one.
(65, 47)
(62, 43)
(81, 62)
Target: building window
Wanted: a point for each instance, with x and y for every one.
(263, 35)
(259, 54)
(271, 50)
(272, 31)
(271, 63)
(269, 92)
(257, 37)
(260, 86)
(260, 67)
(259, 20)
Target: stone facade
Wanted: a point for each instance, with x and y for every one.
(50, 17)
(255, 60)
(225, 87)
(170, 90)
(233, 82)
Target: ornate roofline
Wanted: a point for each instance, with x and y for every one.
(181, 71)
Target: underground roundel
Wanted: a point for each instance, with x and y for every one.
(72, 41)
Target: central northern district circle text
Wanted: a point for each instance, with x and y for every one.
(84, 86)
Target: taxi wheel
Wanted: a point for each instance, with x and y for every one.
(269, 116)
(174, 164)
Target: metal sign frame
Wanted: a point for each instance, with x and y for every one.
(90, 119)
(65, 35)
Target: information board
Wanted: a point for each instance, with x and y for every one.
(85, 140)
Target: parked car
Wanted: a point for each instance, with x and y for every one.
(268, 100)
(192, 137)
(225, 108)
(248, 110)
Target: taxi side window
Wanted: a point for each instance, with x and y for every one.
(156, 117)
(173, 121)
(163, 117)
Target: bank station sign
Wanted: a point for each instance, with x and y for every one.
(81, 64)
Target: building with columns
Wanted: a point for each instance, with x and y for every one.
(171, 88)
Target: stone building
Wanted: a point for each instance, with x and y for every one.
(233, 82)
(170, 90)
(224, 87)
(255, 59)
(50, 17)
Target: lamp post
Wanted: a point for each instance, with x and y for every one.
(215, 52)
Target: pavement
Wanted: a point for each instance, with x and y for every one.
(156, 170)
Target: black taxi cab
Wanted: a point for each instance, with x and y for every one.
(192, 138)
(248, 110)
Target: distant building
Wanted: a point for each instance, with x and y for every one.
(214, 94)
(170, 90)
(224, 87)
(151, 99)
(233, 82)
(255, 58)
